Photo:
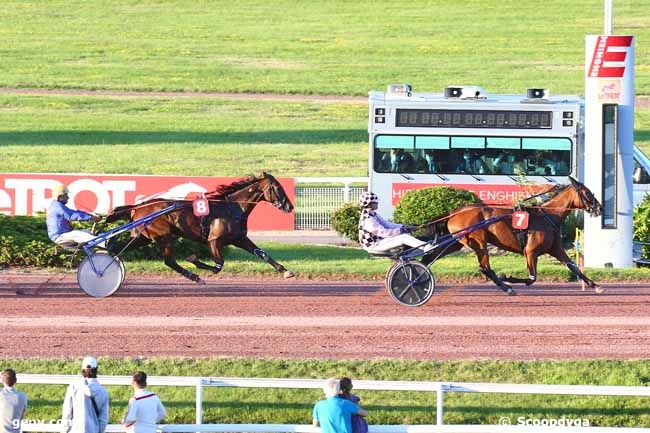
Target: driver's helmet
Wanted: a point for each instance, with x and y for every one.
(60, 190)
(367, 198)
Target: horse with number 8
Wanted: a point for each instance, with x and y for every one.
(219, 218)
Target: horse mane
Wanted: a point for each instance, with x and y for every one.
(225, 190)
(121, 212)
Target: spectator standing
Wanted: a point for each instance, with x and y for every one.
(359, 424)
(334, 414)
(145, 408)
(12, 403)
(85, 406)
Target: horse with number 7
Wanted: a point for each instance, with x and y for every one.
(542, 234)
(218, 218)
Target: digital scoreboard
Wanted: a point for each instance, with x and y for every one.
(499, 119)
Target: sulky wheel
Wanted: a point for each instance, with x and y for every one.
(410, 283)
(104, 279)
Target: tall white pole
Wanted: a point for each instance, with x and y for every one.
(608, 17)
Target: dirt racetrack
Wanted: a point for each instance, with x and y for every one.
(307, 319)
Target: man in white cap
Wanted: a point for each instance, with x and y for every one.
(58, 219)
(85, 406)
(145, 409)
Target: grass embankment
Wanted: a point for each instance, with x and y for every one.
(209, 137)
(229, 405)
(335, 47)
(182, 136)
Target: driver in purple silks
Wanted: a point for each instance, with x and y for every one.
(376, 235)
(58, 219)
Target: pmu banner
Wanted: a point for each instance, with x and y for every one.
(29, 194)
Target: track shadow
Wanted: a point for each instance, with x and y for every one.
(179, 288)
(91, 137)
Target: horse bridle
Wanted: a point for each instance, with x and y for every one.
(588, 205)
(277, 202)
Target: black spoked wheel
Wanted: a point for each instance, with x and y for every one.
(410, 283)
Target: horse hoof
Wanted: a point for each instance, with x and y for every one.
(200, 282)
(599, 290)
(191, 258)
(289, 274)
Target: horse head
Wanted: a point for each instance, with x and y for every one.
(585, 199)
(274, 193)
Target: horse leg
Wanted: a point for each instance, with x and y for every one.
(216, 249)
(246, 244)
(480, 248)
(559, 253)
(167, 250)
(531, 264)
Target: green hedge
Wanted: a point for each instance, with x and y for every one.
(345, 221)
(24, 242)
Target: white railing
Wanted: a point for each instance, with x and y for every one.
(314, 204)
(440, 388)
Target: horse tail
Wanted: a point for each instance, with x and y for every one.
(119, 213)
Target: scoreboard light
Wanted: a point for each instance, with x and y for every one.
(537, 93)
(496, 119)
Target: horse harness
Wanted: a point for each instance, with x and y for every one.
(522, 234)
(228, 211)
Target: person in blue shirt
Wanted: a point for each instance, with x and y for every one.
(59, 228)
(334, 414)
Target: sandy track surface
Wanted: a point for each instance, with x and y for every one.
(307, 319)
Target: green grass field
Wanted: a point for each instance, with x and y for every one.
(255, 405)
(331, 47)
(185, 136)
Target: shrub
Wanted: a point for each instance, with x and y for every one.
(423, 205)
(642, 223)
(642, 220)
(345, 221)
(24, 242)
(573, 221)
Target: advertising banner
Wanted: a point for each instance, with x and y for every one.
(489, 194)
(28, 194)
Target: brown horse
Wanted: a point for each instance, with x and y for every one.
(226, 224)
(542, 236)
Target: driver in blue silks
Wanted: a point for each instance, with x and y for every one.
(58, 219)
(376, 235)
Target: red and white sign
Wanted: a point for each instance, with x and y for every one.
(28, 194)
(489, 194)
(608, 60)
(520, 220)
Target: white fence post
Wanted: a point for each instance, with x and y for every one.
(199, 401)
(439, 404)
